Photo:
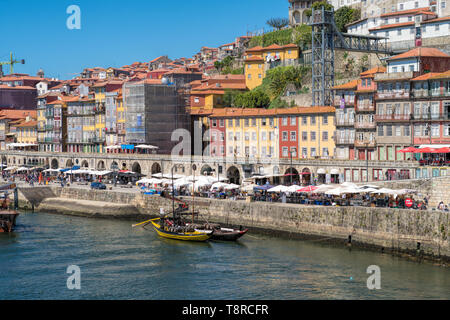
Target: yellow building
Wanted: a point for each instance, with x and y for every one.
(249, 133)
(26, 132)
(316, 129)
(258, 60)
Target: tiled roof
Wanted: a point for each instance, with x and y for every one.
(436, 20)
(17, 114)
(255, 112)
(32, 123)
(404, 12)
(421, 52)
(254, 59)
(442, 75)
(394, 25)
(349, 85)
(425, 76)
(17, 87)
(370, 72)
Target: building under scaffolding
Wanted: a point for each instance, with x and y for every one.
(153, 111)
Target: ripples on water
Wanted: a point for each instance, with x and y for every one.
(118, 262)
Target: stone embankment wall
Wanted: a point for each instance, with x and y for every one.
(423, 234)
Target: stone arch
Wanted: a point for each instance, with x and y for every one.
(297, 17)
(101, 165)
(84, 164)
(306, 176)
(291, 175)
(156, 168)
(114, 165)
(206, 170)
(55, 164)
(69, 163)
(136, 167)
(234, 175)
(304, 17)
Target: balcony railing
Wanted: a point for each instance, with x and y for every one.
(365, 106)
(392, 95)
(392, 117)
(49, 127)
(431, 116)
(345, 122)
(344, 140)
(365, 125)
(99, 139)
(365, 143)
(348, 101)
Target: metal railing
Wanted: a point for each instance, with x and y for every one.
(392, 117)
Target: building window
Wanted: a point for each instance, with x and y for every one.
(380, 131)
(325, 136)
(325, 120)
(313, 152)
(222, 123)
(313, 136)
(313, 120)
(253, 136)
(406, 130)
(285, 121)
(293, 136)
(285, 151)
(304, 136)
(293, 121)
(436, 27)
(214, 123)
(304, 120)
(285, 136)
(263, 136)
(389, 130)
(230, 122)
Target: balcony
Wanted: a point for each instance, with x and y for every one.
(41, 128)
(434, 140)
(392, 95)
(365, 143)
(422, 93)
(345, 122)
(88, 141)
(349, 102)
(365, 125)
(430, 117)
(392, 76)
(49, 127)
(344, 140)
(365, 107)
(392, 117)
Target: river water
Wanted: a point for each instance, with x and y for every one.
(119, 262)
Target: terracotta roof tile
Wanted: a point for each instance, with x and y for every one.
(421, 52)
(425, 76)
(404, 12)
(349, 85)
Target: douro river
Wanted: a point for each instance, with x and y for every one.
(118, 262)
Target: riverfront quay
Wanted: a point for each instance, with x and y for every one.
(120, 262)
(420, 235)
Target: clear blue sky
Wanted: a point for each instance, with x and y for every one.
(115, 33)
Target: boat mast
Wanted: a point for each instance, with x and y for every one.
(173, 198)
(194, 167)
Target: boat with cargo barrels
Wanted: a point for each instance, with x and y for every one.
(8, 216)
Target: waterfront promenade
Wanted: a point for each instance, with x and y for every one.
(418, 234)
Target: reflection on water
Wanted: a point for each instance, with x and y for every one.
(118, 262)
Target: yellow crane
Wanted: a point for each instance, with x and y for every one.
(11, 63)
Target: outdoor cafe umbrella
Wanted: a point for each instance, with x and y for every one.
(408, 150)
(425, 150)
(442, 150)
(307, 189)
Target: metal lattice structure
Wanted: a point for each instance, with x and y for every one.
(325, 39)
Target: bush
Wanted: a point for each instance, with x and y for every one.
(252, 99)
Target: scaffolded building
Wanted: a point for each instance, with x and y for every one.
(153, 111)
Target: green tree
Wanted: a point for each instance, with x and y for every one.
(345, 15)
(252, 99)
(278, 103)
(229, 97)
(277, 78)
(302, 35)
(319, 5)
(278, 23)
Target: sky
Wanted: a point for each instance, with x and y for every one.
(115, 33)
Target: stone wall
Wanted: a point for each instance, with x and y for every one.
(417, 233)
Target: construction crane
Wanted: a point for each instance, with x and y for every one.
(11, 63)
(325, 39)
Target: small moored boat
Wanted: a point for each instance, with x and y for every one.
(175, 232)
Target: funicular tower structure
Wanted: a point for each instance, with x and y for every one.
(325, 39)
